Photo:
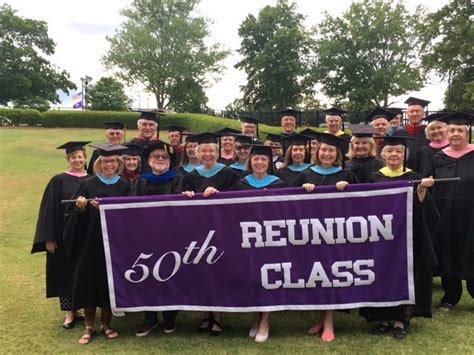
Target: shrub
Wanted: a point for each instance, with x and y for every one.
(31, 117)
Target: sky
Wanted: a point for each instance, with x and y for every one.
(80, 29)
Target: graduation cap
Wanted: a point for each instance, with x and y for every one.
(436, 116)
(362, 130)
(332, 140)
(132, 150)
(396, 110)
(106, 150)
(380, 112)
(190, 138)
(73, 146)
(334, 111)
(272, 137)
(159, 145)
(246, 140)
(311, 133)
(114, 125)
(289, 112)
(175, 128)
(415, 101)
(227, 131)
(296, 139)
(149, 116)
(397, 140)
(207, 137)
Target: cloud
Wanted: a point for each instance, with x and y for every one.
(91, 28)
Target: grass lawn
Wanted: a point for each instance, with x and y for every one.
(30, 323)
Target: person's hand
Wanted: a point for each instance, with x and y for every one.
(81, 203)
(427, 182)
(309, 187)
(95, 203)
(51, 246)
(341, 185)
(189, 194)
(210, 191)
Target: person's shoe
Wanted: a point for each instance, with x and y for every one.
(399, 333)
(216, 328)
(69, 325)
(206, 325)
(145, 329)
(445, 307)
(382, 329)
(169, 326)
(253, 331)
(328, 336)
(262, 337)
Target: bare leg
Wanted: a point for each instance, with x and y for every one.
(328, 333)
(318, 327)
(263, 328)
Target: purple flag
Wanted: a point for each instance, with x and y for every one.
(269, 250)
(77, 105)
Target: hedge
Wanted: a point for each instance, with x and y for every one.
(30, 117)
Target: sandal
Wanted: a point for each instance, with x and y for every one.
(218, 331)
(445, 307)
(86, 338)
(399, 333)
(108, 332)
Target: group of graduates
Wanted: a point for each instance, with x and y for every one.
(382, 150)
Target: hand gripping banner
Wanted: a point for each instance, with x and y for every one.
(282, 249)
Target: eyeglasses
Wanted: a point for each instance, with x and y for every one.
(158, 157)
(242, 148)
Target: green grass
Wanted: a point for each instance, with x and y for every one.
(30, 323)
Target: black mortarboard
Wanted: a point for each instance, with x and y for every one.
(362, 130)
(72, 147)
(159, 145)
(333, 140)
(206, 137)
(132, 150)
(227, 131)
(334, 111)
(396, 110)
(380, 112)
(175, 128)
(289, 112)
(295, 139)
(458, 118)
(190, 138)
(311, 133)
(436, 116)
(114, 125)
(414, 101)
(148, 115)
(248, 119)
(272, 137)
(106, 150)
(243, 139)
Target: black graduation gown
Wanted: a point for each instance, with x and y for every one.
(363, 168)
(243, 184)
(83, 239)
(50, 226)
(143, 187)
(289, 176)
(424, 259)
(414, 145)
(226, 162)
(90, 166)
(222, 181)
(424, 156)
(311, 177)
(455, 201)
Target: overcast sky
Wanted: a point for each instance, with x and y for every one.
(79, 29)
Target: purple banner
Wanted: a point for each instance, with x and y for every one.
(268, 250)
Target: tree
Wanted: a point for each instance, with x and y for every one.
(276, 53)
(25, 75)
(107, 95)
(448, 36)
(369, 53)
(161, 45)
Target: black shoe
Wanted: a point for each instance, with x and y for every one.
(145, 329)
(169, 326)
(216, 329)
(399, 333)
(69, 325)
(206, 324)
(382, 329)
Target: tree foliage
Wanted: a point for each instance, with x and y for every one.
(369, 53)
(276, 53)
(161, 45)
(107, 95)
(25, 75)
(448, 36)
